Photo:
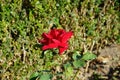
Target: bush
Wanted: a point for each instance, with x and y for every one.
(95, 23)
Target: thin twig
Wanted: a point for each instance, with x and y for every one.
(87, 66)
(24, 54)
(76, 75)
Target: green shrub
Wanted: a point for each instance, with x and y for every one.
(95, 23)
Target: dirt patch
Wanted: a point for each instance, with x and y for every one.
(105, 67)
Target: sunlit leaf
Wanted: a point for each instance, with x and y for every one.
(89, 56)
(79, 63)
(45, 77)
(34, 76)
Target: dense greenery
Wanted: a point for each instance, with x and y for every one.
(95, 23)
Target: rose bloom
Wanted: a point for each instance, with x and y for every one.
(56, 38)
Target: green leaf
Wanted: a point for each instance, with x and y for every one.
(69, 71)
(88, 56)
(56, 20)
(76, 55)
(67, 65)
(45, 77)
(79, 63)
(34, 76)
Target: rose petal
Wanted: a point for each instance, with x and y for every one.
(42, 41)
(66, 36)
(56, 38)
(54, 33)
(61, 50)
(50, 46)
(63, 45)
(46, 36)
(56, 41)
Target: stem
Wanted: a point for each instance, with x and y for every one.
(76, 75)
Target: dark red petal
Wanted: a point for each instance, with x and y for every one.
(44, 35)
(56, 32)
(66, 36)
(50, 46)
(53, 33)
(42, 41)
(63, 45)
(61, 30)
(61, 50)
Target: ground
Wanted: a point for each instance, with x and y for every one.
(105, 67)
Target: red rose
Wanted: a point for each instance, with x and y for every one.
(56, 38)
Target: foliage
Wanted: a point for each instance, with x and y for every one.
(41, 75)
(81, 60)
(95, 23)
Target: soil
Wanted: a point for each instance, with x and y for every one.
(105, 67)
